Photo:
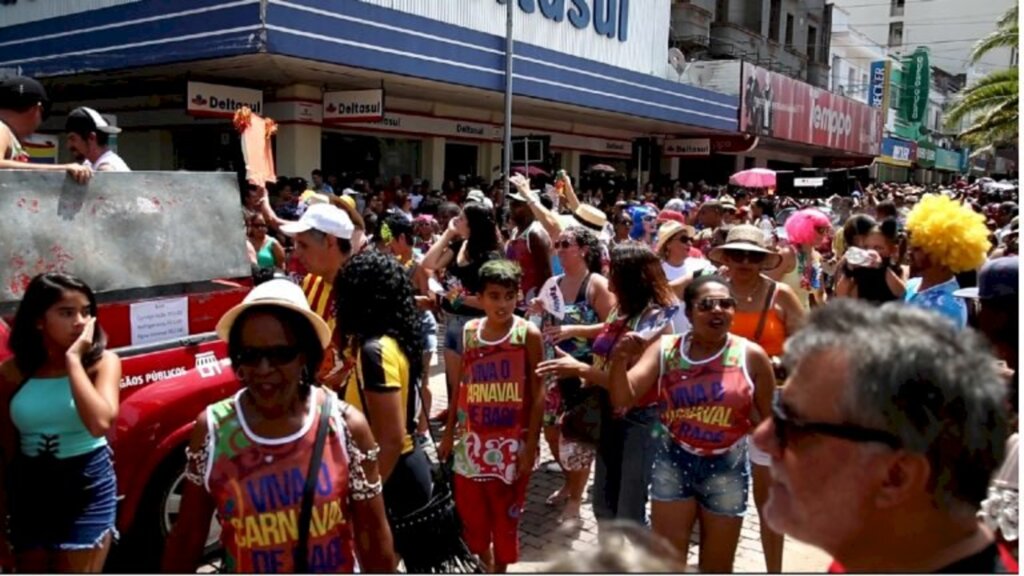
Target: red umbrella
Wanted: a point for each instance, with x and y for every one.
(754, 178)
(529, 171)
(602, 168)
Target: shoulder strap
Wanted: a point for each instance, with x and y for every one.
(306, 512)
(764, 312)
(581, 294)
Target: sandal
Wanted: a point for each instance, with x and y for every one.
(560, 496)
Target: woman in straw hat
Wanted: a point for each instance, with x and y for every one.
(766, 313)
(250, 454)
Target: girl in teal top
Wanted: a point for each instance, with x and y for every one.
(269, 252)
(61, 392)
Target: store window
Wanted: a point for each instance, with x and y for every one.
(373, 159)
(460, 160)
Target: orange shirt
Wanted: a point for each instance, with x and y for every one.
(772, 337)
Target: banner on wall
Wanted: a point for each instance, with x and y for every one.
(917, 75)
(781, 107)
(878, 90)
(897, 152)
(354, 106)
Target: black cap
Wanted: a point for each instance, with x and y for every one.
(83, 120)
(21, 92)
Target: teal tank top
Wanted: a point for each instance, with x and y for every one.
(47, 420)
(265, 257)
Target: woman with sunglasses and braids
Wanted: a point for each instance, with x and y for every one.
(708, 383)
(644, 302)
(588, 301)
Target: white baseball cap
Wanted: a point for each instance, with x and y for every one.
(326, 218)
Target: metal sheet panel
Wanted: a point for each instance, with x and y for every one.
(122, 230)
(645, 49)
(23, 12)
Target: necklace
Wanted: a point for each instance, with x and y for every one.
(750, 296)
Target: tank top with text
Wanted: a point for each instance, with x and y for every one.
(492, 407)
(705, 406)
(257, 485)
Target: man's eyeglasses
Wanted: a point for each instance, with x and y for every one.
(786, 427)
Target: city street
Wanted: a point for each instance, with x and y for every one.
(541, 537)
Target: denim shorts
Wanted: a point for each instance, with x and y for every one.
(63, 504)
(720, 483)
(429, 333)
(454, 325)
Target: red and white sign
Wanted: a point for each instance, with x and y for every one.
(777, 106)
(296, 112)
(354, 106)
(221, 101)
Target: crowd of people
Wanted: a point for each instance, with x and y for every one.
(850, 362)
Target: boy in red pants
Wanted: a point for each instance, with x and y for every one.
(496, 417)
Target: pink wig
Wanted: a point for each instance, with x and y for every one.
(801, 225)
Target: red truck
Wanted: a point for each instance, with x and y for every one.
(159, 318)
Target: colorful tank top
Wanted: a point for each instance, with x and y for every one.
(705, 406)
(518, 251)
(257, 485)
(578, 313)
(492, 407)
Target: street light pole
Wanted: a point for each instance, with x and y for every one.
(506, 161)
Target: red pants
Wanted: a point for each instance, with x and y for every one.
(490, 511)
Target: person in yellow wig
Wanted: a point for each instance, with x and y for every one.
(946, 238)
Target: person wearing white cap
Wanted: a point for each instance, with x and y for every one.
(287, 426)
(323, 244)
(89, 140)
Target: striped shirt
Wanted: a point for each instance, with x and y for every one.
(382, 367)
(320, 295)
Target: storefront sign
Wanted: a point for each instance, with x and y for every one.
(221, 101)
(609, 18)
(808, 182)
(430, 126)
(780, 107)
(916, 85)
(353, 106)
(601, 146)
(925, 154)
(688, 147)
(878, 93)
(947, 160)
(296, 112)
(898, 152)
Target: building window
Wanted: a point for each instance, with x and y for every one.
(773, 20)
(896, 7)
(863, 88)
(721, 10)
(789, 30)
(837, 86)
(812, 43)
(895, 34)
(851, 81)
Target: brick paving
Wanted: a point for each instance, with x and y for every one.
(541, 537)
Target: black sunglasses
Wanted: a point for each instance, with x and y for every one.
(275, 355)
(739, 256)
(708, 304)
(565, 244)
(786, 427)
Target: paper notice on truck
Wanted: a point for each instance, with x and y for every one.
(159, 320)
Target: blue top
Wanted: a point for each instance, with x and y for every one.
(47, 420)
(939, 298)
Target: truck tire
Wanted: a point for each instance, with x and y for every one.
(141, 548)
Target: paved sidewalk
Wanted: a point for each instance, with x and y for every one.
(541, 537)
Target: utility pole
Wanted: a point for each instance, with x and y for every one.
(506, 161)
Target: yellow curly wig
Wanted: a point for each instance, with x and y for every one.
(952, 234)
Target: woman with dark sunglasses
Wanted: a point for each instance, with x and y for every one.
(588, 301)
(707, 383)
(250, 454)
(767, 312)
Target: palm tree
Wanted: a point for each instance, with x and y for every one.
(991, 102)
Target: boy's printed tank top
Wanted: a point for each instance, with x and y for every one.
(491, 417)
(705, 406)
(257, 485)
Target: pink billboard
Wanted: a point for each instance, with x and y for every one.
(778, 106)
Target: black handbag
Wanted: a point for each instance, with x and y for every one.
(583, 418)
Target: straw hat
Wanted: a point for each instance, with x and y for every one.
(280, 293)
(590, 217)
(748, 239)
(669, 230)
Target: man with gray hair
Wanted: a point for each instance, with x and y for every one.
(883, 441)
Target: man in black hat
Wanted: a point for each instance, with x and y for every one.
(89, 139)
(23, 107)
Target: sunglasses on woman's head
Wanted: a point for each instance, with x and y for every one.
(709, 304)
(787, 427)
(275, 355)
(739, 256)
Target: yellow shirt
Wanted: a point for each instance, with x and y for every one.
(320, 295)
(381, 367)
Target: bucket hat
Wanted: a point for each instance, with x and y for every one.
(280, 293)
(748, 239)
